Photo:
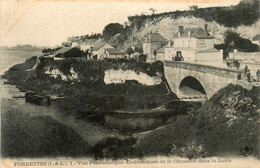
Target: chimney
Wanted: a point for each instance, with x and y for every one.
(205, 29)
(180, 29)
(169, 43)
(188, 33)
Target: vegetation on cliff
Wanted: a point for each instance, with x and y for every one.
(244, 16)
(245, 13)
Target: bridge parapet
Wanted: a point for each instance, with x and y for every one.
(223, 72)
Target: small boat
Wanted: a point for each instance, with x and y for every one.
(37, 98)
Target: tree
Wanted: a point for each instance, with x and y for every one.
(111, 30)
(241, 44)
(129, 51)
(139, 49)
(194, 8)
(230, 36)
(152, 10)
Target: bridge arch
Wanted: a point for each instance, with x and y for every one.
(211, 78)
(191, 87)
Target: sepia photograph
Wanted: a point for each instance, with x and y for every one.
(128, 83)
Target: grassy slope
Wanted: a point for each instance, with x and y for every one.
(26, 136)
(222, 125)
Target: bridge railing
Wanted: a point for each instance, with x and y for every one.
(230, 73)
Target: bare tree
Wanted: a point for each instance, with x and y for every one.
(152, 10)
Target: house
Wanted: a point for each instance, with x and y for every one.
(114, 53)
(87, 45)
(195, 45)
(68, 52)
(256, 40)
(153, 42)
(99, 47)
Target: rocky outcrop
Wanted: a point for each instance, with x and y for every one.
(120, 76)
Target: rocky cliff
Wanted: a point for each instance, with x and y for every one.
(242, 19)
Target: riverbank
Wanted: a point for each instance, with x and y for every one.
(83, 84)
(85, 100)
(230, 114)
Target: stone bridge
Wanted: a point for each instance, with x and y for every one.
(189, 79)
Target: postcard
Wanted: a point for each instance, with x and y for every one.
(130, 83)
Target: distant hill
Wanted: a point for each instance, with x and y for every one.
(21, 47)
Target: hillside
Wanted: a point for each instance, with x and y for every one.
(220, 127)
(243, 19)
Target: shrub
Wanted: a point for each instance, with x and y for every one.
(114, 148)
(191, 150)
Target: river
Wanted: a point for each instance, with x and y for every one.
(90, 132)
(9, 58)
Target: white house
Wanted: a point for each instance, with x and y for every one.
(99, 47)
(114, 53)
(195, 45)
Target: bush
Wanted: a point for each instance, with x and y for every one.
(191, 150)
(114, 148)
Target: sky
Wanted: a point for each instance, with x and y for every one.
(46, 23)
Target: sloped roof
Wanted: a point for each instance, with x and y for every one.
(256, 38)
(113, 51)
(194, 32)
(69, 52)
(208, 50)
(98, 44)
(155, 37)
(90, 41)
(78, 42)
(63, 50)
(161, 50)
